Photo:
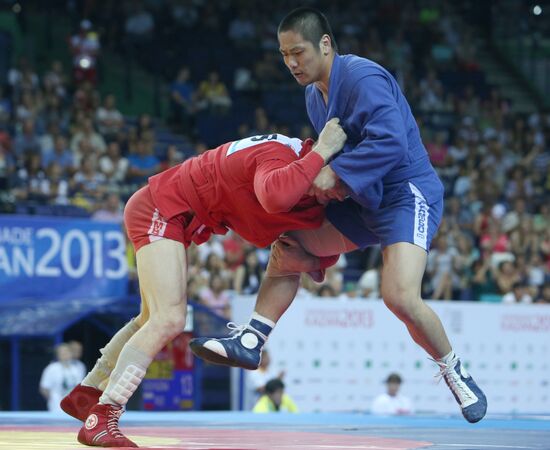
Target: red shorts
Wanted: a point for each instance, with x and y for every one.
(145, 224)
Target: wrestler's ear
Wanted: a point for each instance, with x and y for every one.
(325, 44)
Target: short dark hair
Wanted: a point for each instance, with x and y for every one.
(274, 385)
(310, 23)
(393, 378)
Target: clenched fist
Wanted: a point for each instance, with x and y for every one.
(331, 139)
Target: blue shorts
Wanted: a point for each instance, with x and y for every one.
(408, 217)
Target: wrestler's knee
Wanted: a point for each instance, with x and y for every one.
(168, 323)
(286, 259)
(403, 301)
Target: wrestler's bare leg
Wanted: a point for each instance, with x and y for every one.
(277, 291)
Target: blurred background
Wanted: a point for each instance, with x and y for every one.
(96, 96)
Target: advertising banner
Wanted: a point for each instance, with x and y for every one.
(337, 354)
(50, 257)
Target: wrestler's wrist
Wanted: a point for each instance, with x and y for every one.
(323, 151)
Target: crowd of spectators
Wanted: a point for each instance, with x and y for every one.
(62, 143)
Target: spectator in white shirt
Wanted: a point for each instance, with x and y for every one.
(109, 118)
(76, 350)
(60, 377)
(391, 402)
(113, 165)
(518, 294)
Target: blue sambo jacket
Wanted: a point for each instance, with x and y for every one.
(384, 148)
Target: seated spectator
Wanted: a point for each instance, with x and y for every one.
(463, 265)
(248, 275)
(86, 99)
(484, 279)
(438, 150)
(234, 248)
(537, 271)
(85, 150)
(30, 178)
(515, 215)
(144, 125)
(215, 296)
(47, 140)
(88, 133)
(440, 268)
(268, 71)
(26, 141)
(326, 290)
(113, 165)
(184, 14)
(519, 184)
(430, 92)
(242, 29)
(524, 239)
(173, 157)
(507, 276)
(57, 79)
(5, 108)
(541, 220)
(88, 182)
(544, 296)
(182, 98)
(212, 246)
(23, 78)
(518, 294)
(140, 25)
(369, 284)
(275, 399)
(28, 108)
(60, 155)
(494, 240)
(7, 167)
(213, 94)
(110, 209)
(262, 125)
(109, 118)
(333, 278)
(53, 111)
(142, 164)
(55, 187)
(392, 402)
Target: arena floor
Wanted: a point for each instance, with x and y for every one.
(231, 431)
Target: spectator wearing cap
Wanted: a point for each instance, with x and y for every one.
(392, 402)
(275, 399)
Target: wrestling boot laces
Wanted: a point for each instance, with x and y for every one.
(242, 348)
(101, 428)
(455, 383)
(466, 392)
(236, 330)
(112, 423)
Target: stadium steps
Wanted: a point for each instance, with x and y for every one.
(498, 73)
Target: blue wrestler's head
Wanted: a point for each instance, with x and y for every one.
(307, 45)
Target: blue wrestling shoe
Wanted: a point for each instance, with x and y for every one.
(467, 393)
(242, 349)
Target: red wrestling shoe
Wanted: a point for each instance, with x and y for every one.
(79, 401)
(101, 428)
